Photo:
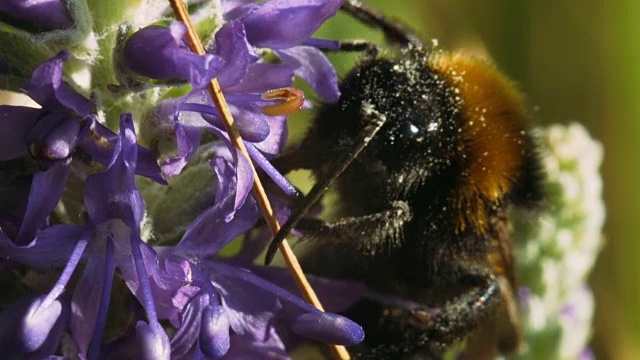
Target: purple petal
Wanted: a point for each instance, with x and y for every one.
(244, 179)
(112, 194)
(46, 190)
(277, 138)
(242, 182)
(172, 59)
(16, 122)
(262, 77)
(147, 165)
(171, 285)
(313, 67)
(187, 139)
(52, 246)
(189, 328)
(39, 324)
(211, 231)
(237, 53)
(47, 14)
(89, 298)
(229, 7)
(214, 332)
(268, 298)
(335, 295)
(154, 343)
(47, 88)
(250, 315)
(328, 328)
(251, 122)
(280, 24)
(13, 343)
(271, 171)
(136, 270)
(102, 149)
(135, 257)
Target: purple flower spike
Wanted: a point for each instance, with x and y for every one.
(213, 306)
(52, 134)
(158, 52)
(46, 14)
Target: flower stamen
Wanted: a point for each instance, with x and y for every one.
(292, 101)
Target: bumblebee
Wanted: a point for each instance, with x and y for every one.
(430, 152)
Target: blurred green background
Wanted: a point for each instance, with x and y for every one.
(576, 60)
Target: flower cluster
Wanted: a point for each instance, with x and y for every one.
(558, 250)
(124, 178)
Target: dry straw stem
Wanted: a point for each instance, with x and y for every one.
(180, 10)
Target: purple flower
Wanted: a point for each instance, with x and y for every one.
(109, 239)
(31, 327)
(286, 26)
(218, 307)
(172, 58)
(226, 308)
(51, 135)
(244, 79)
(45, 14)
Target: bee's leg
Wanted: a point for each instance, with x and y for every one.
(368, 234)
(394, 30)
(374, 122)
(429, 331)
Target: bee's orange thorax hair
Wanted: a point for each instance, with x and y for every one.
(492, 144)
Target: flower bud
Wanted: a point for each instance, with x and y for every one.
(328, 328)
(214, 332)
(45, 14)
(53, 137)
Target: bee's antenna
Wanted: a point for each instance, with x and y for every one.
(376, 121)
(394, 30)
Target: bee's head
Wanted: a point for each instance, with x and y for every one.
(421, 110)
